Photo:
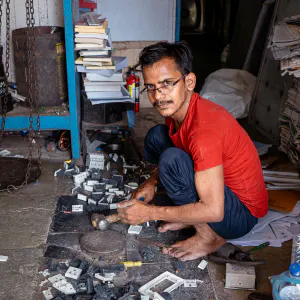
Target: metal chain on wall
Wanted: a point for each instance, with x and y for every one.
(31, 75)
(7, 55)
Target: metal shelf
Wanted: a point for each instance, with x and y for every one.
(18, 118)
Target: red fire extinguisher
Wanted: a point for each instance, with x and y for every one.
(133, 87)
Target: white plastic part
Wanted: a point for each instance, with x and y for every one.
(203, 264)
(47, 294)
(77, 208)
(82, 197)
(88, 188)
(190, 283)
(56, 278)
(65, 287)
(119, 193)
(110, 198)
(3, 258)
(135, 229)
(113, 206)
(45, 273)
(108, 186)
(73, 273)
(112, 190)
(92, 201)
(80, 178)
(91, 182)
(177, 282)
(108, 277)
(75, 190)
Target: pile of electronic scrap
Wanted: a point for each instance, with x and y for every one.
(105, 181)
(78, 280)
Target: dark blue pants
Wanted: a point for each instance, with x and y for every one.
(176, 173)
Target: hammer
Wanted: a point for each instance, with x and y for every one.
(101, 222)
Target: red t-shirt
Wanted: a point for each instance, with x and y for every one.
(212, 137)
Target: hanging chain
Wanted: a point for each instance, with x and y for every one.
(30, 41)
(6, 69)
(31, 75)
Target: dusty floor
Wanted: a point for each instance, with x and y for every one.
(25, 217)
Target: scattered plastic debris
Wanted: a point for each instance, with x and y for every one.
(202, 264)
(3, 258)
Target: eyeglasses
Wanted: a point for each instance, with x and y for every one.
(165, 89)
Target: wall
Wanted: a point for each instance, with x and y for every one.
(140, 20)
(47, 12)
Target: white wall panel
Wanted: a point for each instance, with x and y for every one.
(140, 20)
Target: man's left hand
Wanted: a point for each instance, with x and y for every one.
(134, 212)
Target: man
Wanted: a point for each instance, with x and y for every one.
(206, 161)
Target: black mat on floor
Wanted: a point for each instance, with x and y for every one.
(67, 229)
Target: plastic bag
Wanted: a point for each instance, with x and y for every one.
(230, 88)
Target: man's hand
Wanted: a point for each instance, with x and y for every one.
(134, 212)
(146, 190)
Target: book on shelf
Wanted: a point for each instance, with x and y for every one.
(92, 77)
(88, 46)
(98, 63)
(89, 67)
(122, 94)
(95, 53)
(104, 95)
(102, 88)
(90, 41)
(86, 82)
(98, 59)
(119, 64)
(93, 19)
(126, 99)
(79, 61)
(92, 29)
(103, 36)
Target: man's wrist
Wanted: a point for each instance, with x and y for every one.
(152, 214)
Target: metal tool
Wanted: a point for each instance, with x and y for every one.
(131, 264)
(103, 222)
(244, 255)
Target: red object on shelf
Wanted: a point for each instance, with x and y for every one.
(87, 4)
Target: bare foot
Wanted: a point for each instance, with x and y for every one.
(204, 242)
(172, 227)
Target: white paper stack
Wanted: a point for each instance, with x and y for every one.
(275, 227)
(285, 45)
(289, 124)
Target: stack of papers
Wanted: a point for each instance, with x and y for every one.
(290, 125)
(282, 176)
(285, 45)
(275, 227)
(103, 81)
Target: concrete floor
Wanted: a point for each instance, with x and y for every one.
(25, 218)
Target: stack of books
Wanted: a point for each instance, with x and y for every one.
(103, 81)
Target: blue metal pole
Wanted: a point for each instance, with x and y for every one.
(73, 80)
(177, 24)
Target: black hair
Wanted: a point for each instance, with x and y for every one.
(180, 52)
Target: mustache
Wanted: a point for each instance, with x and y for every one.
(164, 102)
